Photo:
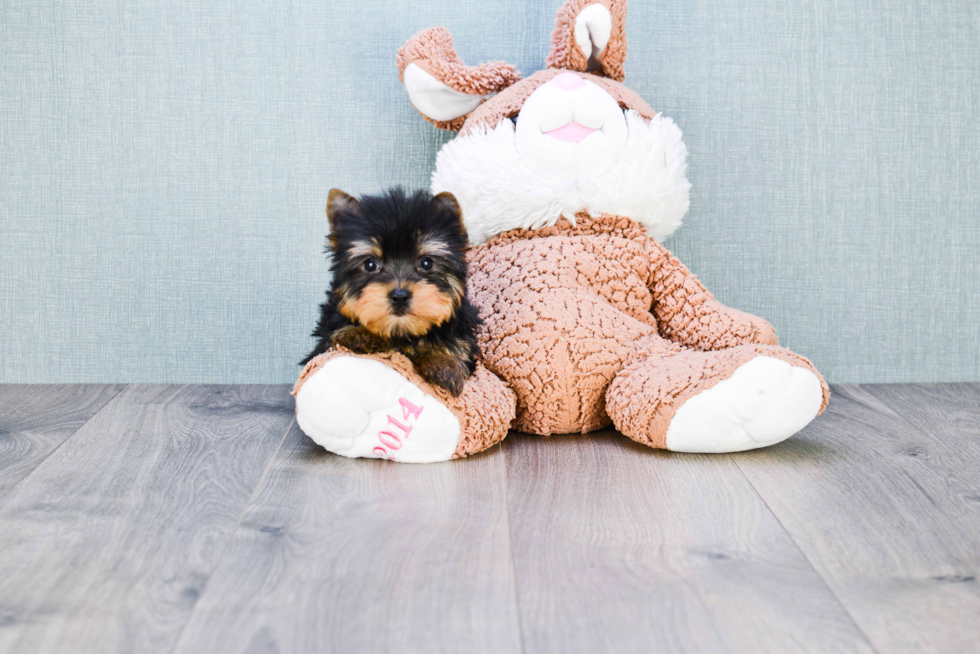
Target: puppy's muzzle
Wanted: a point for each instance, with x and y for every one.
(400, 298)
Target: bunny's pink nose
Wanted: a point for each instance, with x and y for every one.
(568, 81)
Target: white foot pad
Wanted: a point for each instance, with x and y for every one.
(767, 400)
(362, 408)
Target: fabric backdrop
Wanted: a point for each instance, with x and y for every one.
(164, 167)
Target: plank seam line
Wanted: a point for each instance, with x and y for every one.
(806, 558)
(70, 436)
(510, 547)
(901, 417)
(231, 535)
(895, 409)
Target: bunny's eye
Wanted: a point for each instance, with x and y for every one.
(514, 119)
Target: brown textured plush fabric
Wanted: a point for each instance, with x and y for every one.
(565, 52)
(485, 408)
(568, 307)
(644, 397)
(432, 50)
(508, 103)
(688, 313)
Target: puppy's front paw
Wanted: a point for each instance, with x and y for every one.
(356, 339)
(443, 371)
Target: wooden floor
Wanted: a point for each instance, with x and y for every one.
(200, 519)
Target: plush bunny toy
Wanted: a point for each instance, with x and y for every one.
(568, 182)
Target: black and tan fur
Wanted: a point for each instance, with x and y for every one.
(399, 283)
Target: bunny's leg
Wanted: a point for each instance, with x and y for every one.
(378, 406)
(730, 400)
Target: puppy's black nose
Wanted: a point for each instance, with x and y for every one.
(399, 298)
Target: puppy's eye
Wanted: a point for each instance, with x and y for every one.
(425, 263)
(371, 265)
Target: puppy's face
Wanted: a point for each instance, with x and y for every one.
(398, 260)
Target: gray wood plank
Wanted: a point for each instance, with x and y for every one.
(888, 512)
(341, 555)
(106, 545)
(620, 548)
(36, 419)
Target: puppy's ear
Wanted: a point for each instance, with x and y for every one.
(339, 202)
(590, 36)
(446, 201)
(440, 86)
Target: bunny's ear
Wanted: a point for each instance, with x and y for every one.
(440, 85)
(590, 36)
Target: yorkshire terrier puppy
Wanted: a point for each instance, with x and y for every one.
(399, 283)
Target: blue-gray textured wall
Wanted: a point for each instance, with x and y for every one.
(164, 167)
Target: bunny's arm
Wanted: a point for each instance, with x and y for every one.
(687, 313)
